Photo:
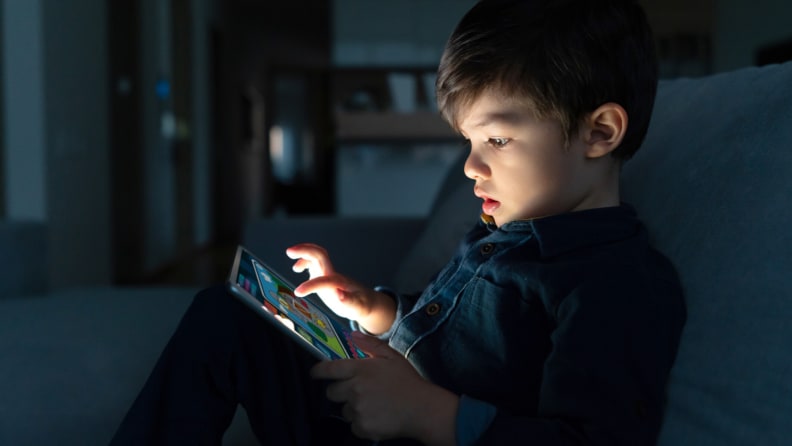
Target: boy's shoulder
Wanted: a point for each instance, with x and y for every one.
(588, 232)
(598, 252)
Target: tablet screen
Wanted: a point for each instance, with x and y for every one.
(325, 332)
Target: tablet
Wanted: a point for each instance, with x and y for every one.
(323, 333)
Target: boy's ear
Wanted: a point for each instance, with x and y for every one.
(604, 129)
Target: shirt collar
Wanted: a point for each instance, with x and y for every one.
(487, 219)
(558, 234)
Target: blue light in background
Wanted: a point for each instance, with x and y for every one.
(163, 88)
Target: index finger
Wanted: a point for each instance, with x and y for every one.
(310, 254)
(334, 281)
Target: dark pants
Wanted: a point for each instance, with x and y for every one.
(221, 355)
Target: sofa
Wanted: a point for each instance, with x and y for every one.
(711, 182)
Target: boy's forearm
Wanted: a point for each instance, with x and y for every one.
(381, 315)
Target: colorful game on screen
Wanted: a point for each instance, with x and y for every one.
(299, 314)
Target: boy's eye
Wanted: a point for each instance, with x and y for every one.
(498, 142)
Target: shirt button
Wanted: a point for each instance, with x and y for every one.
(487, 249)
(432, 309)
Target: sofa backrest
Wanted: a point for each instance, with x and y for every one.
(453, 213)
(712, 182)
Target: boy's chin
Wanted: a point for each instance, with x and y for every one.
(500, 220)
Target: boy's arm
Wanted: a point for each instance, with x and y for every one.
(373, 310)
(401, 305)
(381, 314)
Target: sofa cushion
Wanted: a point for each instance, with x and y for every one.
(23, 255)
(74, 360)
(454, 211)
(713, 182)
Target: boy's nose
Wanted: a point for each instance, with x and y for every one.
(474, 167)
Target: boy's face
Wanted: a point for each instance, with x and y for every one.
(520, 164)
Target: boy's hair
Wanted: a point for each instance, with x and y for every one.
(564, 57)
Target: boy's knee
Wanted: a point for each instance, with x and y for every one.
(214, 294)
(212, 302)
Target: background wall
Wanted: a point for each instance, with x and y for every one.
(202, 16)
(386, 178)
(23, 95)
(56, 131)
(743, 26)
(393, 32)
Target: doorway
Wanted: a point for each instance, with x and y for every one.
(150, 117)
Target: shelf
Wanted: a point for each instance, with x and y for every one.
(392, 126)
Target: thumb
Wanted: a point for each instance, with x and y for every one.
(372, 346)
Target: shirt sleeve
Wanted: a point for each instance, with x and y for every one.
(473, 418)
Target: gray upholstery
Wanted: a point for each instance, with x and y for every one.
(453, 213)
(73, 361)
(711, 182)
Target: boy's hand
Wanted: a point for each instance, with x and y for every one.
(374, 311)
(384, 396)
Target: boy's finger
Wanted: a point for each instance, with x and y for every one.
(312, 254)
(339, 391)
(334, 370)
(294, 251)
(301, 265)
(306, 250)
(372, 346)
(316, 284)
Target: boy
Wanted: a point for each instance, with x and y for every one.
(555, 322)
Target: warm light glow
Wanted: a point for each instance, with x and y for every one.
(276, 143)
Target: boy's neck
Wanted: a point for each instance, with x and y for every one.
(605, 192)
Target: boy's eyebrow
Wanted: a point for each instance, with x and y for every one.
(505, 117)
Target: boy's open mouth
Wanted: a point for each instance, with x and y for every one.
(489, 206)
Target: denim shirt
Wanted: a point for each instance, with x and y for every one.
(559, 330)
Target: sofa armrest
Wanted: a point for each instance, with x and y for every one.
(367, 249)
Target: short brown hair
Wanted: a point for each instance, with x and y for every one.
(565, 57)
